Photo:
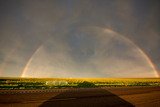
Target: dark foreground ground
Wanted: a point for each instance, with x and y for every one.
(89, 97)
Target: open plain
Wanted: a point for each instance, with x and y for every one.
(82, 97)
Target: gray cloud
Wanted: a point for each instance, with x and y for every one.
(88, 52)
(27, 25)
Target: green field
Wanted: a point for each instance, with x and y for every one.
(49, 83)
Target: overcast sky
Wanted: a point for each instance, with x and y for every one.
(79, 38)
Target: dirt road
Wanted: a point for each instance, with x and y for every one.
(89, 97)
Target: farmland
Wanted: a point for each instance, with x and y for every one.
(82, 97)
(79, 92)
(52, 83)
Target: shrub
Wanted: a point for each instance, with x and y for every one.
(86, 84)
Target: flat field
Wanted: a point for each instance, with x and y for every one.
(52, 83)
(83, 97)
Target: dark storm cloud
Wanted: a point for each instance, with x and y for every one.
(25, 25)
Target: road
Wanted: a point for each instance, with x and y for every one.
(88, 97)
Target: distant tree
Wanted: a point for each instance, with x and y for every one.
(86, 84)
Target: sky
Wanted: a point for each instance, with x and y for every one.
(80, 38)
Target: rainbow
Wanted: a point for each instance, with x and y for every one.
(105, 30)
(29, 61)
(140, 50)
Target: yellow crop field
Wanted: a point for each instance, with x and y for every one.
(45, 83)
